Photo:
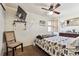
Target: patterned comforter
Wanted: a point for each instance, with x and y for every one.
(54, 45)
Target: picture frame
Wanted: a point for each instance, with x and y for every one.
(42, 23)
(72, 22)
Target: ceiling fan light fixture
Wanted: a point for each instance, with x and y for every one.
(49, 13)
(52, 9)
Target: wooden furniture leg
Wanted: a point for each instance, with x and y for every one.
(22, 47)
(13, 51)
(7, 51)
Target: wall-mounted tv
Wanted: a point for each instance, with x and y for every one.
(21, 14)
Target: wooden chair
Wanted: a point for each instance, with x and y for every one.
(11, 42)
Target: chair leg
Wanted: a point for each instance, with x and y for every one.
(7, 51)
(13, 51)
(15, 48)
(22, 47)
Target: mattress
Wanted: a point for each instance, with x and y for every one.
(61, 40)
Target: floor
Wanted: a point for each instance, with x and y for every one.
(30, 51)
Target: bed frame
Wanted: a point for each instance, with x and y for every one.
(69, 35)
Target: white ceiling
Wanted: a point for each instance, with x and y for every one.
(68, 6)
(69, 10)
(32, 7)
(65, 8)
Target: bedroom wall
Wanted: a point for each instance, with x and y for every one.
(33, 27)
(2, 17)
(68, 14)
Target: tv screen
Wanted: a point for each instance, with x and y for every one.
(21, 14)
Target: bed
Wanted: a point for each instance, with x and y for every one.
(54, 45)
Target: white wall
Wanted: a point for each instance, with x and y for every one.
(32, 26)
(1, 28)
(69, 13)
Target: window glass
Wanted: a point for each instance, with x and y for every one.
(49, 29)
(49, 22)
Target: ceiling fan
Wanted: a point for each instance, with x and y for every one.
(53, 8)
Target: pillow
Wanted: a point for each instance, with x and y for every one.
(39, 37)
(77, 37)
(45, 36)
(48, 35)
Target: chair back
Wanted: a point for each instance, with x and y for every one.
(9, 36)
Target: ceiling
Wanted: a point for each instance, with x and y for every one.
(36, 7)
(32, 7)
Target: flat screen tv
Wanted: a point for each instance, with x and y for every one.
(21, 14)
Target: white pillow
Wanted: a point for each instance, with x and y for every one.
(77, 37)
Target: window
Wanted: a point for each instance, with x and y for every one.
(49, 23)
(49, 29)
(49, 26)
(53, 26)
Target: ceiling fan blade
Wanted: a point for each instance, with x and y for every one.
(56, 12)
(57, 5)
(51, 7)
(45, 9)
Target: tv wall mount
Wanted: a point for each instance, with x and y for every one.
(20, 16)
